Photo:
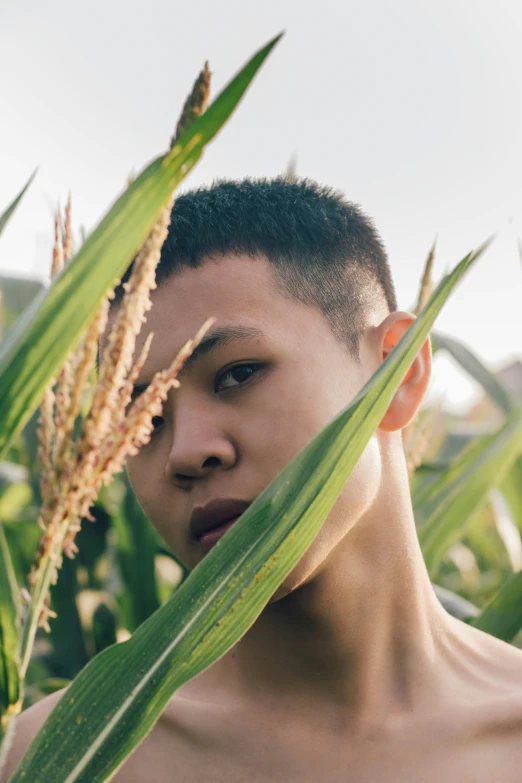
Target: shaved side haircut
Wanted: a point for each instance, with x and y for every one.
(324, 250)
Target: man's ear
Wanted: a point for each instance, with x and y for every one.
(410, 393)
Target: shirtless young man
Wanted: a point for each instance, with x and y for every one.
(354, 671)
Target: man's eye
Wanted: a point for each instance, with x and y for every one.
(230, 379)
(236, 376)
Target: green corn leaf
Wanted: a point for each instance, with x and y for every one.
(502, 617)
(474, 367)
(445, 507)
(511, 488)
(10, 614)
(38, 343)
(507, 528)
(67, 636)
(4, 217)
(428, 498)
(93, 729)
(136, 551)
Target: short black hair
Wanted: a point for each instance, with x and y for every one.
(325, 251)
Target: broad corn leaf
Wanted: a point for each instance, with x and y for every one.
(94, 728)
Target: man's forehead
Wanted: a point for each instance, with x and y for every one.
(220, 286)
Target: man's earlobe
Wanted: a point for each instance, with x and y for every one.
(410, 393)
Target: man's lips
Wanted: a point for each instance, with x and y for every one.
(208, 540)
(215, 514)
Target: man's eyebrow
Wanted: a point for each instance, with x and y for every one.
(216, 338)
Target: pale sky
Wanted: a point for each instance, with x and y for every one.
(411, 108)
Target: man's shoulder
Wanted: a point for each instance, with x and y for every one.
(166, 740)
(495, 713)
(495, 741)
(498, 656)
(27, 725)
(495, 667)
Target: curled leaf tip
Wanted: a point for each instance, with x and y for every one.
(195, 104)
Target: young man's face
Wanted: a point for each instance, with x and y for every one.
(245, 408)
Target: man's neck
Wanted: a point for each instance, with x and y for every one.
(364, 636)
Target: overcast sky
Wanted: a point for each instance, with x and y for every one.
(412, 109)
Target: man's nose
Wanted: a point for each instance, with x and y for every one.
(199, 447)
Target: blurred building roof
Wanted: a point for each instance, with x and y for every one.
(485, 409)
